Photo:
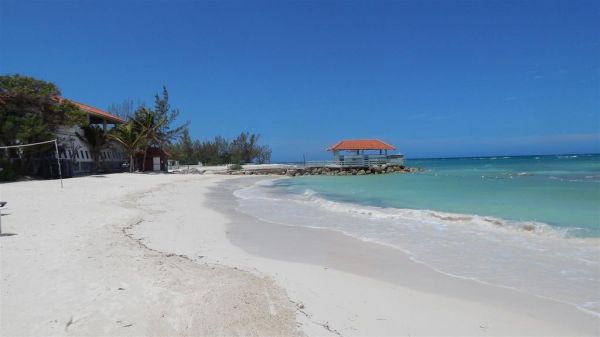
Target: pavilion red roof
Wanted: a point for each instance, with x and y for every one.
(360, 144)
(94, 111)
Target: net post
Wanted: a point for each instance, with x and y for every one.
(58, 161)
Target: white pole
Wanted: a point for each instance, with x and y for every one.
(58, 161)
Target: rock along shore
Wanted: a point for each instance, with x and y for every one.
(293, 171)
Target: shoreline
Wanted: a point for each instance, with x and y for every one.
(286, 254)
(273, 279)
(526, 262)
(510, 296)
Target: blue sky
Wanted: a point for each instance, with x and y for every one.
(434, 78)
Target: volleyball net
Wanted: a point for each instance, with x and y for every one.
(55, 141)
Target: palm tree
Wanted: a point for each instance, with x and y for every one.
(129, 137)
(96, 139)
(148, 125)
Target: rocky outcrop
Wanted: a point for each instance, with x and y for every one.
(327, 171)
(293, 171)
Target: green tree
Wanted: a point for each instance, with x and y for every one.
(263, 154)
(243, 149)
(129, 137)
(187, 148)
(155, 126)
(167, 133)
(26, 102)
(148, 124)
(31, 111)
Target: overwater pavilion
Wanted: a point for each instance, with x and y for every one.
(360, 153)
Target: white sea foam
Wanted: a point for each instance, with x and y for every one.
(523, 255)
(431, 216)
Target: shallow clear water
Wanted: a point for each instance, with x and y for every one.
(562, 191)
(527, 223)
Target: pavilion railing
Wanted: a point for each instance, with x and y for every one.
(349, 163)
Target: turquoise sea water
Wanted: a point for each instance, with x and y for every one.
(531, 224)
(561, 191)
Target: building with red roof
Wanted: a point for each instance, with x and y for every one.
(360, 145)
(361, 153)
(96, 113)
(76, 153)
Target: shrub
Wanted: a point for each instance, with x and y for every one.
(7, 172)
(235, 167)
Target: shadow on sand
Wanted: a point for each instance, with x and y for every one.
(4, 234)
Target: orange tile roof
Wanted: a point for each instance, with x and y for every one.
(93, 111)
(97, 112)
(360, 144)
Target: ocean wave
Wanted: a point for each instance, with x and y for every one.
(431, 216)
(434, 217)
(455, 244)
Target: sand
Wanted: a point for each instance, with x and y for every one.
(133, 254)
(68, 268)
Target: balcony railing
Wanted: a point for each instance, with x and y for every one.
(350, 162)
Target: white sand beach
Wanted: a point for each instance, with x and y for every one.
(137, 255)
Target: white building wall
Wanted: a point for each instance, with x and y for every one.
(77, 150)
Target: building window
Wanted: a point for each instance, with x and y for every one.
(87, 155)
(82, 155)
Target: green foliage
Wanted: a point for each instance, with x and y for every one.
(129, 137)
(148, 123)
(152, 127)
(235, 167)
(8, 172)
(243, 149)
(67, 113)
(184, 150)
(94, 136)
(166, 132)
(31, 110)
(29, 128)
